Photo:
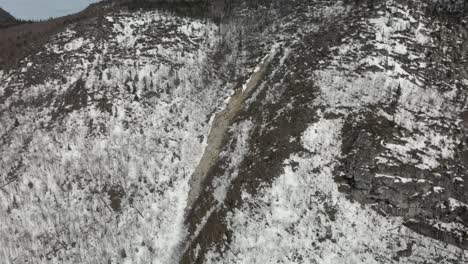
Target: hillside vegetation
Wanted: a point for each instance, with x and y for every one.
(236, 131)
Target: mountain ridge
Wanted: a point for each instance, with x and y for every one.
(6, 19)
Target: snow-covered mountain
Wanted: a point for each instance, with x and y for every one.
(292, 131)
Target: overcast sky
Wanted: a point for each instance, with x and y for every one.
(42, 9)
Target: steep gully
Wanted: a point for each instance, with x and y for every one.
(220, 125)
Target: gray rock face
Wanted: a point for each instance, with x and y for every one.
(381, 168)
(451, 6)
(403, 151)
(464, 118)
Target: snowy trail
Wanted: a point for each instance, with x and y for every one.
(220, 126)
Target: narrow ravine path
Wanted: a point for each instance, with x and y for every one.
(221, 123)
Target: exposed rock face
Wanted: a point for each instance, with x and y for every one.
(411, 161)
(372, 72)
(451, 6)
(464, 118)
(287, 132)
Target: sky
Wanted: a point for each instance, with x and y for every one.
(43, 9)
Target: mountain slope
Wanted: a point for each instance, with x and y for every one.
(289, 132)
(6, 18)
(104, 132)
(339, 99)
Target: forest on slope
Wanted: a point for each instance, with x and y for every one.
(237, 132)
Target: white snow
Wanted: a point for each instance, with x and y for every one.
(235, 157)
(293, 221)
(397, 178)
(454, 203)
(148, 147)
(435, 146)
(74, 44)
